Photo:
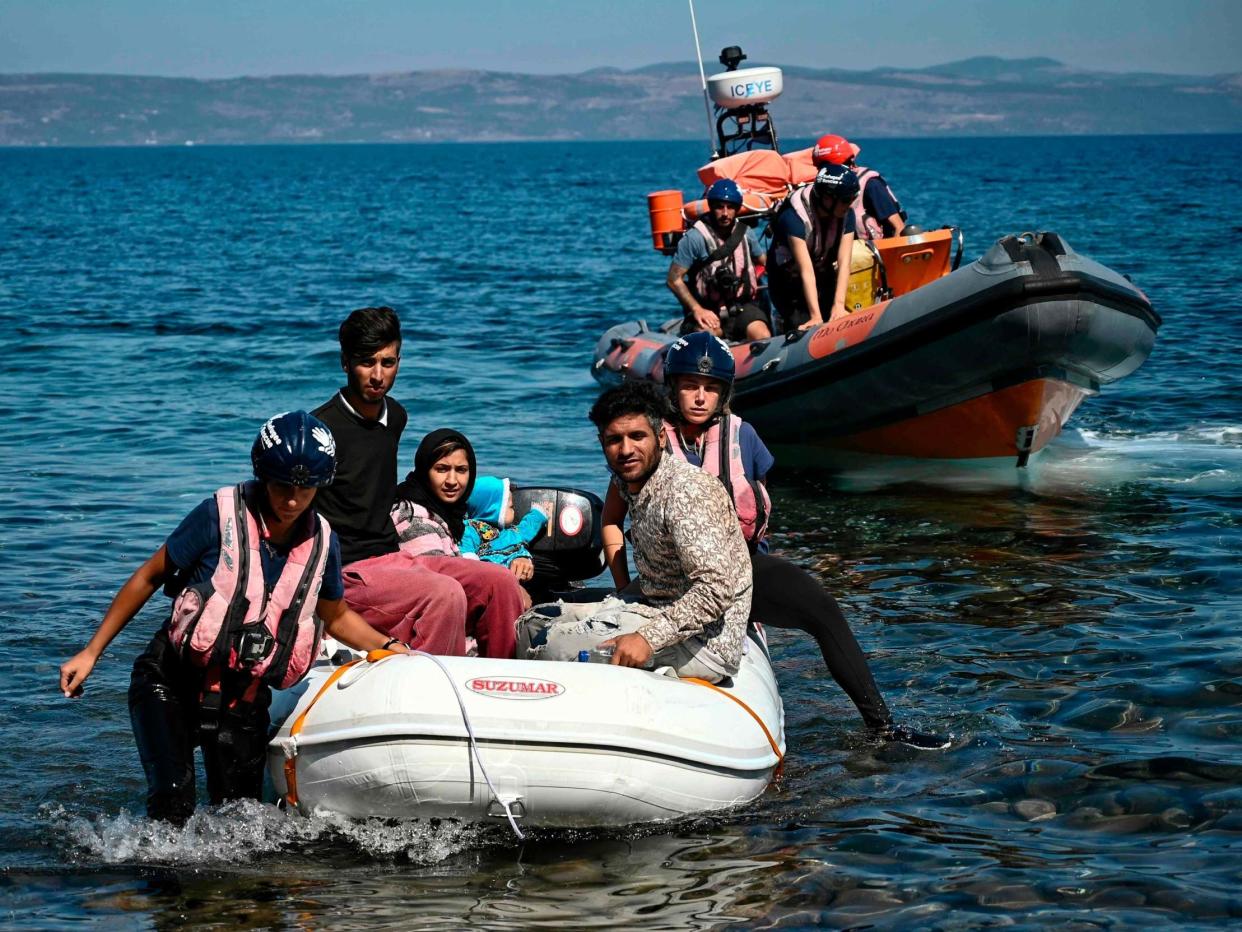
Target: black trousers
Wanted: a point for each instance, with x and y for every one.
(734, 322)
(790, 302)
(787, 596)
(164, 710)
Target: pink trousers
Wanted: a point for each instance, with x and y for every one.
(432, 603)
(493, 600)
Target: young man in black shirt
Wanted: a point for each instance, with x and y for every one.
(382, 583)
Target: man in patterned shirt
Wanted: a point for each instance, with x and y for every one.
(694, 568)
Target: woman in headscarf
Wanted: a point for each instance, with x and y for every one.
(430, 517)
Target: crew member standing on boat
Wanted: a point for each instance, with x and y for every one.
(812, 241)
(701, 430)
(714, 272)
(877, 213)
(249, 569)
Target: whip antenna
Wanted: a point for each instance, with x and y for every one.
(707, 107)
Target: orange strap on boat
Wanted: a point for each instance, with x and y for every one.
(291, 764)
(291, 768)
(780, 758)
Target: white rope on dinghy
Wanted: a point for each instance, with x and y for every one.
(474, 745)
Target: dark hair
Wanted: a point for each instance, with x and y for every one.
(446, 448)
(416, 487)
(366, 330)
(629, 398)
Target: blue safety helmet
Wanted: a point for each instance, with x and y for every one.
(294, 448)
(700, 353)
(836, 183)
(725, 190)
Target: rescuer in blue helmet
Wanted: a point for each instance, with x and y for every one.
(714, 272)
(252, 572)
(812, 242)
(698, 429)
(295, 448)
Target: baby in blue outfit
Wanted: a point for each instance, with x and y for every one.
(490, 533)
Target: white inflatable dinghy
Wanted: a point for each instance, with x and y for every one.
(542, 743)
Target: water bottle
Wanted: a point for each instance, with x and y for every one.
(595, 655)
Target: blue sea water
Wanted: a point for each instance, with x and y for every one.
(1074, 626)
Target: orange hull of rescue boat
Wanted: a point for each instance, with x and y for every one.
(1007, 422)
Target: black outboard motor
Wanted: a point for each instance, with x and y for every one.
(570, 549)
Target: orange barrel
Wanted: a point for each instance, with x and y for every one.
(665, 210)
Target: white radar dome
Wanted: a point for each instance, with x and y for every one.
(745, 86)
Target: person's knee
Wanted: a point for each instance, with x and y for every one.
(500, 579)
(443, 597)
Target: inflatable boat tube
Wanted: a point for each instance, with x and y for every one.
(988, 361)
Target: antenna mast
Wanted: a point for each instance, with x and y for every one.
(707, 107)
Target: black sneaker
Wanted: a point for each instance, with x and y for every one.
(900, 734)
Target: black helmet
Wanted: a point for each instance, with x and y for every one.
(836, 183)
(294, 448)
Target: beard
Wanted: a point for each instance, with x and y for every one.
(646, 474)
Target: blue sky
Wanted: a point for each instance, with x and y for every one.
(224, 38)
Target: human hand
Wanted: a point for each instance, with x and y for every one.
(630, 650)
(74, 671)
(523, 568)
(838, 311)
(708, 320)
(813, 322)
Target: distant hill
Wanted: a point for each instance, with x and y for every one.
(977, 96)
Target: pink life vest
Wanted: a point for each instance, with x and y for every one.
(865, 225)
(740, 264)
(724, 461)
(225, 622)
(822, 233)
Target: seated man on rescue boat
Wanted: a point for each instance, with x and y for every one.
(714, 272)
(877, 212)
(812, 245)
(694, 589)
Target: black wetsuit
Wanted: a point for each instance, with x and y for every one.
(788, 597)
(164, 696)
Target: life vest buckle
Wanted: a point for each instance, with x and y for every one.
(253, 645)
(209, 710)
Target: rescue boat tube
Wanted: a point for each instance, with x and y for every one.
(557, 744)
(988, 361)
